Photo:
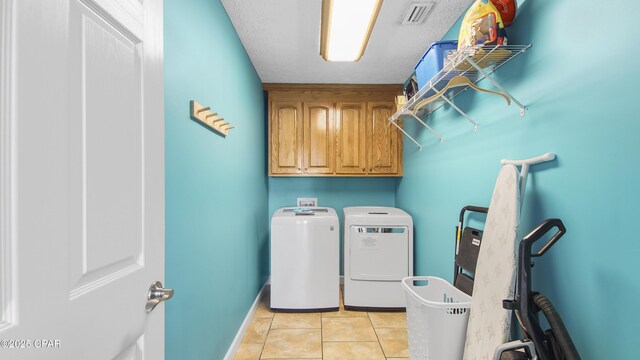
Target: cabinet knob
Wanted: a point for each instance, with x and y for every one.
(298, 169)
(370, 169)
(363, 169)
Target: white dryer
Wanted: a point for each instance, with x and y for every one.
(378, 254)
(305, 259)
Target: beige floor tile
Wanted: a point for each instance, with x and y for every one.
(346, 335)
(341, 313)
(249, 351)
(347, 329)
(296, 321)
(293, 343)
(257, 331)
(394, 342)
(264, 309)
(360, 350)
(388, 319)
(263, 312)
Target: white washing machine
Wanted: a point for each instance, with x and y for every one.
(305, 259)
(378, 253)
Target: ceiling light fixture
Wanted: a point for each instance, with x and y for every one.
(346, 28)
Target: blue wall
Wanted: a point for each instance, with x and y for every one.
(216, 188)
(578, 81)
(332, 192)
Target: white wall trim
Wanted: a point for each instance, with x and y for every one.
(245, 324)
(8, 316)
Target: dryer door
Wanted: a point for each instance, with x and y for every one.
(379, 253)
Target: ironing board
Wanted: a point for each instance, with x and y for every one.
(489, 324)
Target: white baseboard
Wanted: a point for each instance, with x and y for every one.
(233, 349)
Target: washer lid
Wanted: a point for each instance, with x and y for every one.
(305, 211)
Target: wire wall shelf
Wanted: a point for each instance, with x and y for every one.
(474, 63)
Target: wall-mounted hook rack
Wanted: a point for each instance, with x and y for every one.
(204, 115)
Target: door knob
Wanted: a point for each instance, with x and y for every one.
(156, 295)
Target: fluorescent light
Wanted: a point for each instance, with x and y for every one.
(346, 28)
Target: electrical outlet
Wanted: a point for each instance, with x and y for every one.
(307, 202)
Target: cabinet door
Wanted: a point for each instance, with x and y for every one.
(350, 138)
(383, 139)
(319, 147)
(286, 137)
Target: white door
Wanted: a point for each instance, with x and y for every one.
(82, 179)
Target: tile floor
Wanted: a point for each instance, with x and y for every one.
(339, 335)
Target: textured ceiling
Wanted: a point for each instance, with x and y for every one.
(282, 38)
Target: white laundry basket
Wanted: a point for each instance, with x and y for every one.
(437, 316)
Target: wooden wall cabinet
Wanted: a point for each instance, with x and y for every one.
(286, 138)
(384, 139)
(317, 147)
(350, 138)
(333, 130)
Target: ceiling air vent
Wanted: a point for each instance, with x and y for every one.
(416, 13)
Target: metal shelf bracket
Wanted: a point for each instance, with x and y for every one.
(448, 101)
(496, 84)
(405, 133)
(435, 133)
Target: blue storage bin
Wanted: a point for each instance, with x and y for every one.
(433, 60)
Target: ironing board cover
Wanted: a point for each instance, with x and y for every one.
(489, 324)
